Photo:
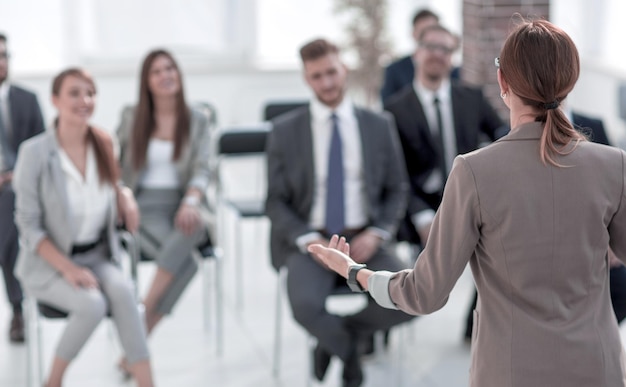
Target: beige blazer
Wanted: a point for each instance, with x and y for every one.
(42, 209)
(536, 238)
(192, 166)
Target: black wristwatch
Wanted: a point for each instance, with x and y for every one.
(353, 284)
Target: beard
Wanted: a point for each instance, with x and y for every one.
(332, 97)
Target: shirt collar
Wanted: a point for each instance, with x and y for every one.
(321, 112)
(443, 92)
(4, 91)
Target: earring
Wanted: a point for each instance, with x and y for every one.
(503, 95)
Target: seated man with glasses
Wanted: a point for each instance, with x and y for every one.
(437, 118)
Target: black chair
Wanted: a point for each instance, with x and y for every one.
(273, 109)
(241, 144)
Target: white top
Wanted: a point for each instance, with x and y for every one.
(354, 183)
(89, 199)
(160, 171)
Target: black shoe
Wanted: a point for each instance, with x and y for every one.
(16, 331)
(352, 372)
(321, 360)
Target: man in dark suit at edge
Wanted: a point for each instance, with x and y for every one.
(401, 72)
(333, 168)
(437, 118)
(20, 119)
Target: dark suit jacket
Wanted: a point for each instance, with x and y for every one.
(26, 121)
(592, 127)
(473, 115)
(26, 118)
(400, 73)
(291, 177)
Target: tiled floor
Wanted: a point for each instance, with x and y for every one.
(432, 355)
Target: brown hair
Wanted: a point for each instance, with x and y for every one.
(317, 49)
(144, 123)
(540, 63)
(424, 14)
(100, 139)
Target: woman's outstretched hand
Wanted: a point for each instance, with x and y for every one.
(336, 256)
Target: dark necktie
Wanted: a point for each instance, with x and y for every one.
(7, 151)
(335, 206)
(441, 143)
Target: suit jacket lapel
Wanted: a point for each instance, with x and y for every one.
(368, 147)
(457, 116)
(304, 153)
(56, 172)
(416, 110)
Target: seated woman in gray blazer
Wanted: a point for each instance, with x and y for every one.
(534, 214)
(66, 191)
(164, 158)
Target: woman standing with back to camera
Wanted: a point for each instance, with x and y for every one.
(164, 157)
(534, 214)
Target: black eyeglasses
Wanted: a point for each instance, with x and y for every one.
(497, 62)
(432, 47)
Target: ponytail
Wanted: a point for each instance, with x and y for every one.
(558, 132)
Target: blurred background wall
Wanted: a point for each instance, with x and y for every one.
(238, 54)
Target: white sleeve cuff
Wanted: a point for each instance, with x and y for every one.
(303, 240)
(378, 287)
(423, 218)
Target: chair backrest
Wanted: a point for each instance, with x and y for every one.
(239, 167)
(273, 109)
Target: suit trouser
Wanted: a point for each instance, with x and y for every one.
(618, 291)
(9, 244)
(87, 307)
(308, 286)
(160, 240)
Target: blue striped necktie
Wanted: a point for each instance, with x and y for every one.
(335, 201)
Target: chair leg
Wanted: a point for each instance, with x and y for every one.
(310, 344)
(219, 305)
(206, 293)
(278, 324)
(34, 348)
(239, 266)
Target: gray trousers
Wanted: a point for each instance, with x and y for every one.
(308, 286)
(87, 307)
(160, 240)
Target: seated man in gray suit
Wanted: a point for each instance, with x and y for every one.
(20, 119)
(333, 168)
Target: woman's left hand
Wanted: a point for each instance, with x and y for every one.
(335, 256)
(187, 218)
(128, 209)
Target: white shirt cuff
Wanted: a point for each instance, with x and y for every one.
(423, 218)
(378, 287)
(303, 240)
(382, 234)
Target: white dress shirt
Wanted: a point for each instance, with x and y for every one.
(434, 183)
(354, 179)
(160, 171)
(90, 200)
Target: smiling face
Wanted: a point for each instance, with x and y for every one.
(163, 77)
(75, 100)
(326, 76)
